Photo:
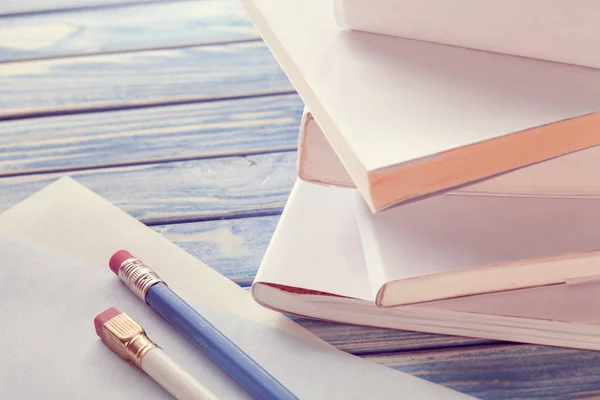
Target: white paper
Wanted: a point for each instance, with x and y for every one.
(67, 218)
(50, 349)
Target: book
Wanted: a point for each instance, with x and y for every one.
(62, 239)
(455, 245)
(571, 175)
(327, 277)
(410, 119)
(558, 30)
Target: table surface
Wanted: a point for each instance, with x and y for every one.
(177, 112)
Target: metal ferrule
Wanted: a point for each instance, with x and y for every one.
(138, 277)
(127, 338)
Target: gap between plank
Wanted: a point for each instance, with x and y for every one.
(485, 344)
(75, 8)
(207, 218)
(133, 50)
(225, 154)
(106, 107)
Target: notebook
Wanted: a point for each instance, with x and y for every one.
(315, 267)
(62, 287)
(556, 30)
(409, 118)
(571, 175)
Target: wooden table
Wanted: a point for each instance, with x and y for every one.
(178, 113)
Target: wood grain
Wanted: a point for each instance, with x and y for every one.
(234, 247)
(180, 191)
(138, 79)
(143, 26)
(506, 371)
(201, 130)
(12, 8)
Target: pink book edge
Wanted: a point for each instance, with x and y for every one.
(317, 161)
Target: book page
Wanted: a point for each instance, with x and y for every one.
(573, 303)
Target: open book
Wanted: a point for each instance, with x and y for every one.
(318, 266)
(571, 175)
(558, 30)
(409, 118)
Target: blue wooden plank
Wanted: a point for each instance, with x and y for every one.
(12, 8)
(141, 26)
(233, 247)
(506, 371)
(201, 130)
(139, 79)
(180, 191)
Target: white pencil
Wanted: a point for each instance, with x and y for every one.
(128, 340)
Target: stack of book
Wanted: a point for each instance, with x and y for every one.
(448, 167)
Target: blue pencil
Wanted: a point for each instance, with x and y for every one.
(148, 286)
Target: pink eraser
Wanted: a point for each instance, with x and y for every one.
(117, 259)
(103, 318)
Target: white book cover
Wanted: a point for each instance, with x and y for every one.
(410, 118)
(455, 245)
(571, 175)
(564, 31)
(58, 280)
(315, 267)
